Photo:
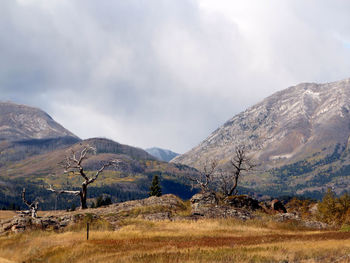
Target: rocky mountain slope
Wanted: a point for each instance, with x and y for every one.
(26, 131)
(162, 154)
(299, 136)
(20, 122)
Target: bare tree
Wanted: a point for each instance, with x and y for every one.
(33, 206)
(205, 178)
(240, 162)
(73, 164)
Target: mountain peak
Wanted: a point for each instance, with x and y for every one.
(162, 154)
(284, 127)
(21, 122)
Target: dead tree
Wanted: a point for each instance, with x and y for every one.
(73, 165)
(205, 179)
(33, 207)
(239, 163)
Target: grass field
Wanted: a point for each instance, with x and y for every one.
(225, 240)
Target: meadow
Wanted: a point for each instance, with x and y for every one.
(207, 240)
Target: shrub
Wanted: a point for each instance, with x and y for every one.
(334, 210)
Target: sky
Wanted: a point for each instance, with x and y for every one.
(164, 73)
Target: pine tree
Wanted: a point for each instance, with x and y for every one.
(155, 189)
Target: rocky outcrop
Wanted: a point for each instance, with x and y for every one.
(277, 205)
(310, 224)
(208, 205)
(274, 206)
(22, 222)
(165, 207)
(244, 202)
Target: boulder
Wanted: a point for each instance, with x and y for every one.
(243, 201)
(277, 205)
(207, 205)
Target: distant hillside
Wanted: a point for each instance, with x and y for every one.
(162, 154)
(298, 136)
(131, 180)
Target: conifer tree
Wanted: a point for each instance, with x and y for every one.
(155, 189)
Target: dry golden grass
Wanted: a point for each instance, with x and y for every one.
(7, 214)
(225, 240)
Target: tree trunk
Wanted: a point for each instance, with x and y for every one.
(235, 183)
(83, 195)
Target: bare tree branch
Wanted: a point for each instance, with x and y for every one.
(63, 191)
(240, 162)
(33, 207)
(205, 178)
(74, 165)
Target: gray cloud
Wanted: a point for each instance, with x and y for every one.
(164, 73)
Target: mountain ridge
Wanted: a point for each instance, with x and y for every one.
(308, 121)
(20, 122)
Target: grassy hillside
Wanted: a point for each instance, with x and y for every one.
(129, 181)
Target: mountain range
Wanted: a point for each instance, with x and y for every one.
(32, 145)
(162, 154)
(299, 137)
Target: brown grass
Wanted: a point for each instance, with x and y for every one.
(7, 214)
(137, 240)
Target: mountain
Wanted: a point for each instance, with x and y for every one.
(162, 154)
(298, 136)
(26, 131)
(32, 146)
(20, 122)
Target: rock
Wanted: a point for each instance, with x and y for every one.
(7, 226)
(305, 223)
(168, 201)
(286, 216)
(203, 199)
(277, 205)
(243, 201)
(316, 225)
(207, 205)
(314, 209)
(157, 216)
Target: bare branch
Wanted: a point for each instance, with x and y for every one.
(24, 198)
(205, 178)
(33, 207)
(73, 164)
(111, 163)
(240, 163)
(63, 191)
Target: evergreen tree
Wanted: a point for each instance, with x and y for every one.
(155, 189)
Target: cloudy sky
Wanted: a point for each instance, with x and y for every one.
(164, 73)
